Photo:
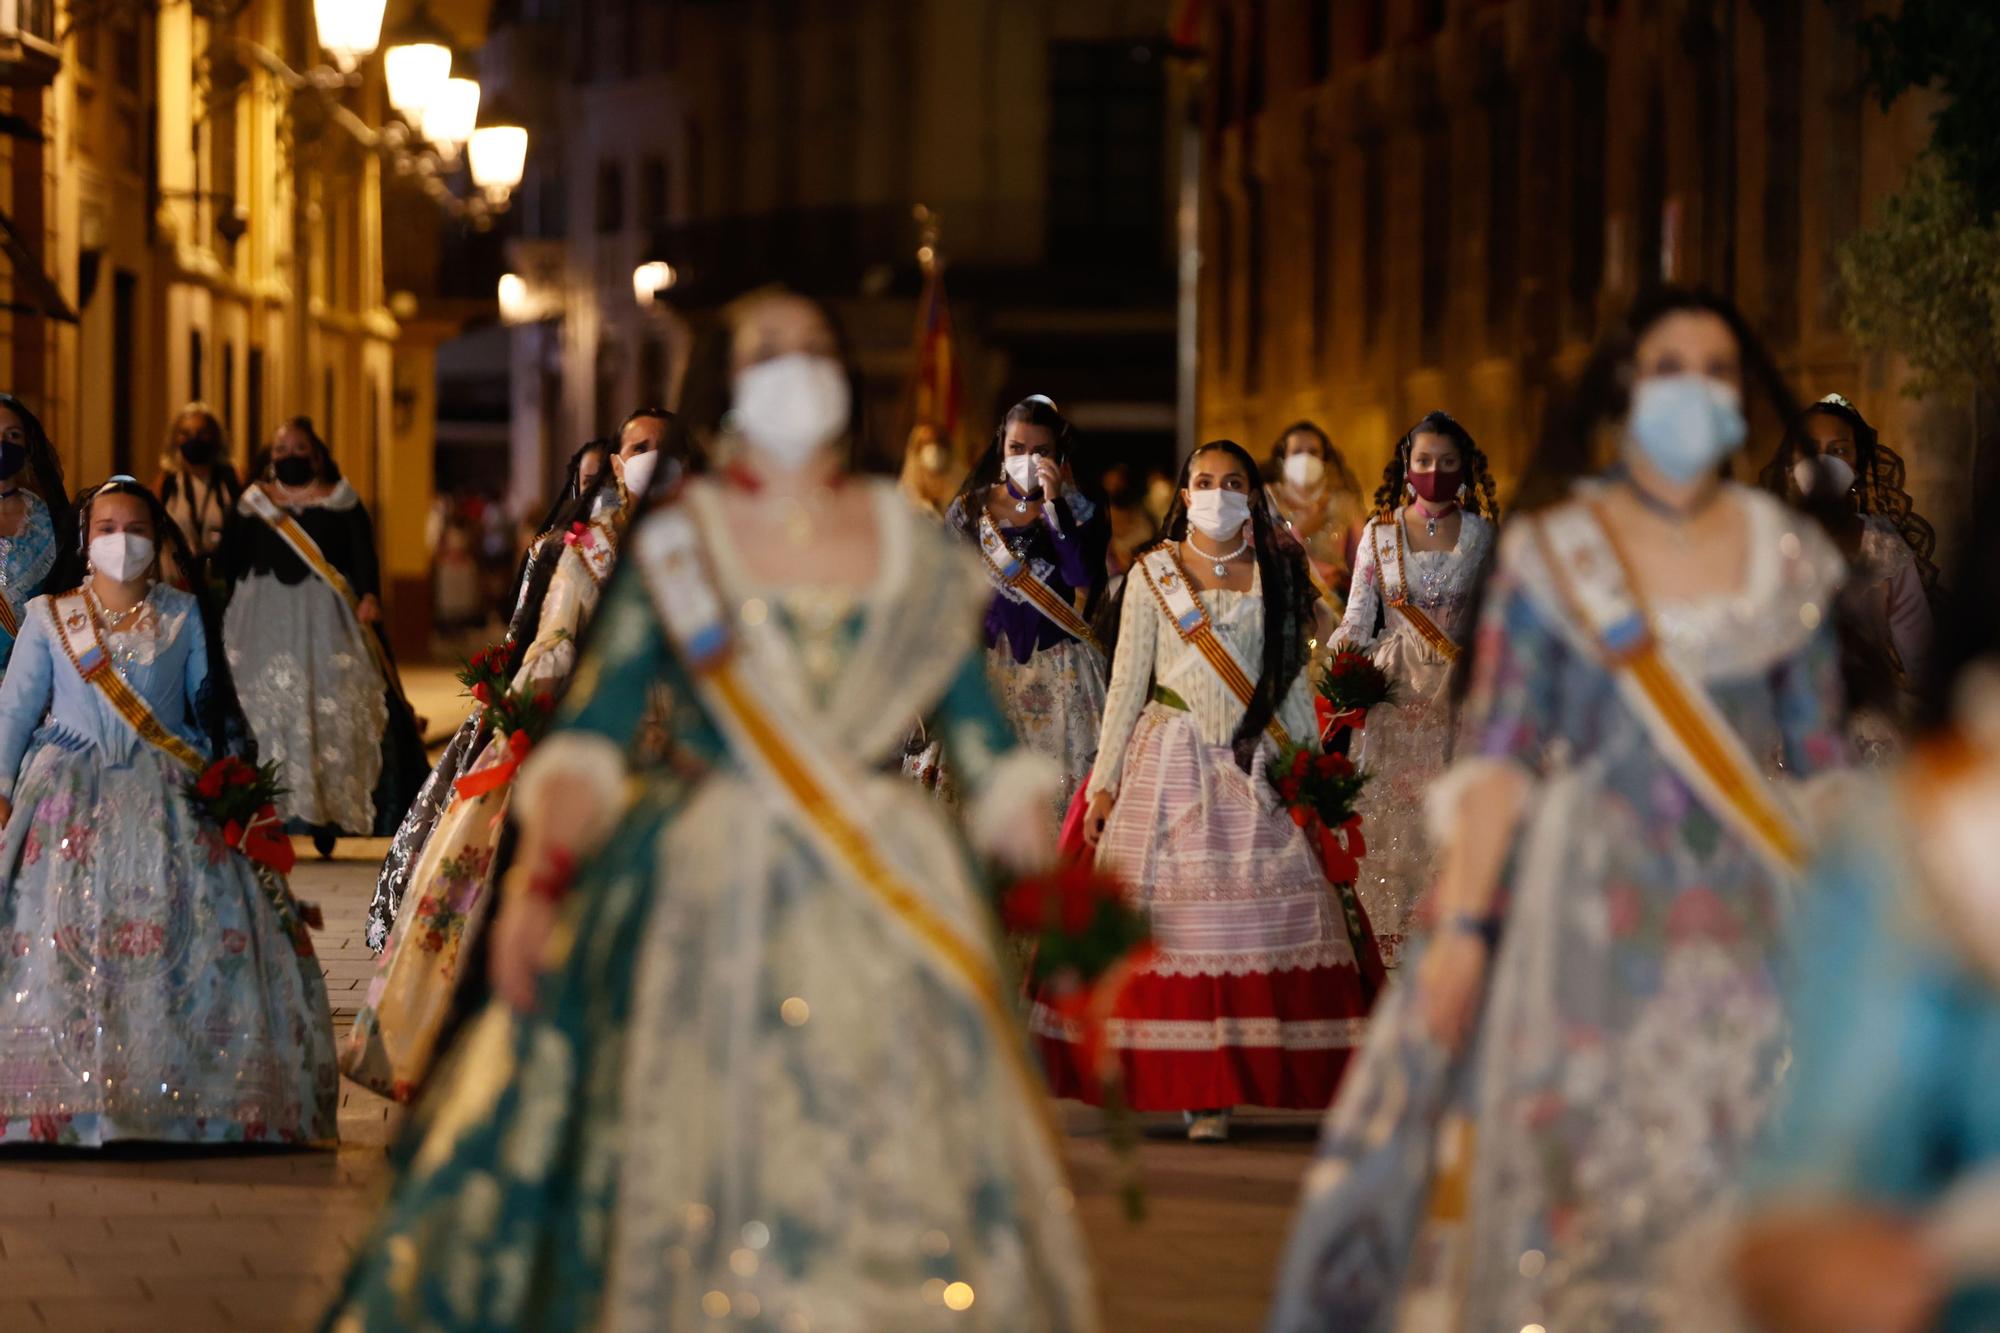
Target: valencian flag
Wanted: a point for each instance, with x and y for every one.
(936, 401)
(1185, 24)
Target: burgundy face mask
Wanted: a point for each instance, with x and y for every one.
(1435, 487)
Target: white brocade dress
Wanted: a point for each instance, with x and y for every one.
(1407, 739)
(154, 984)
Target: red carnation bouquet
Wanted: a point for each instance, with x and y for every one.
(241, 799)
(1089, 941)
(1351, 685)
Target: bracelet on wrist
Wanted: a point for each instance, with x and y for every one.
(1486, 929)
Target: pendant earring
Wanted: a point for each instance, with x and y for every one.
(1463, 491)
(1409, 490)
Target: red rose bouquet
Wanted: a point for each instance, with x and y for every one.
(1320, 790)
(518, 716)
(490, 671)
(1088, 942)
(241, 799)
(1350, 686)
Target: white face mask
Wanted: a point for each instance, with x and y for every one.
(1304, 470)
(791, 407)
(121, 556)
(1021, 471)
(1824, 476)
(1218, 515)
(639, 472)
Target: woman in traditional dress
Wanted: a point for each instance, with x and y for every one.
(1042, 542)
(1876, 1187)
(1610, 909)
(303, 633)
(754, 1058)
(35, 519)
(594, 489)
(198, 485)
(1259, 987)
(1833, 465)
(157, 984)
(1420, 558)
(424, 966)
(1319, 499)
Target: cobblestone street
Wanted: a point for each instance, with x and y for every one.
(173, 1241)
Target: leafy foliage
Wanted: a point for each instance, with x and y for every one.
(1953, 48)
(1924, 281)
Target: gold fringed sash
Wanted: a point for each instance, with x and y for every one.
(784, 757)
(1189, 618)
(301, 542)
(9, 622)
(1590, 575)
(74, 619)
(1397, 598)
(1014, 571)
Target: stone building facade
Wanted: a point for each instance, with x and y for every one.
(1411, 204)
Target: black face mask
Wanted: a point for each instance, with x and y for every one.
(13, 457)
(200, 450)
(293, 470)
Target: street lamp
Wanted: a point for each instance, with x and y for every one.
(651, 278)
(416, 61)
(498, 155)
(515, 307)
(450, 116)
(349, 30)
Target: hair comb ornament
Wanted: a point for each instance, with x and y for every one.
(1838, 400)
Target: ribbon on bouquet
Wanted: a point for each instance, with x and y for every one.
(483, 780)
(263, 840)
(1340, 849)
(1332, 719)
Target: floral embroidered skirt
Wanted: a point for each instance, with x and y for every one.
(419, 973)
(1260, 987)
(1055, 703)
(314, 696)
(151, 987)
(746, 1095)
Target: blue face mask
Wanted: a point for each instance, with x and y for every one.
(1684, 425)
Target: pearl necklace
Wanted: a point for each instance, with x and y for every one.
(1220, 562)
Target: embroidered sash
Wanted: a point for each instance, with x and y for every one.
(812, 784)
(1015, 573)
(83, 644)
(1692, 735)
(1184, 609)
(1396, 591)
(302, 544)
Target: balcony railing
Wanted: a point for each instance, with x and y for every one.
(28, 50)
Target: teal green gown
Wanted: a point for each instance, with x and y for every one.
(746, 1092)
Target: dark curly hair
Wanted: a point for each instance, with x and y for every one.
(1336, 466)
(1879, 474)
(1290, 597)
(1480, 497)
